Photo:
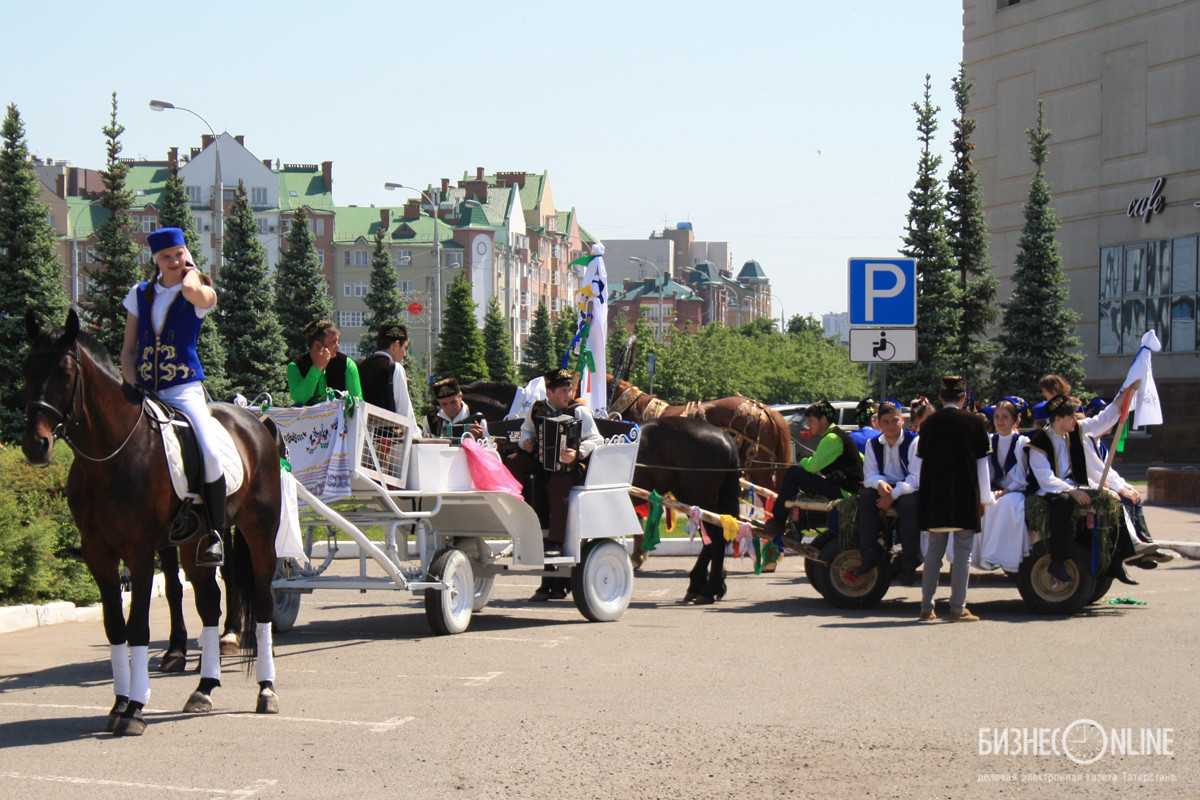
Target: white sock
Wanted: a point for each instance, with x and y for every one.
(210, 652)
(139, 674)
(264, 662)
(118, 654)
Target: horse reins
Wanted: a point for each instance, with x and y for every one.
(64, 417)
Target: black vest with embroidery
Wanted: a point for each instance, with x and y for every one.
(847, 469)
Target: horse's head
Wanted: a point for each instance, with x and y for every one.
(52, 381)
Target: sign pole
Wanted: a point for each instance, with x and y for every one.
(883, 381)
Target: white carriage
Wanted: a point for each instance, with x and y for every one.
(447, 540)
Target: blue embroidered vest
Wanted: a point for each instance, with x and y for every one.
(167, 358)
(999, 471)
(906, 440)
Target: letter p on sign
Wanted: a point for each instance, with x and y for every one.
(883, 292)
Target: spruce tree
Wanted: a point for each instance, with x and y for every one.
(967, 232)
(539, 347)
(116, 251)
(1039, 328)
(176, 213)
(301, 293)
(938, 314)
(564, 333)
(460, 349)
(497, 344)
(30, 275)
(255, 360)
(385, 303)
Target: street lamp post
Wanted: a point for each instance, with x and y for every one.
(74, 224)
(662, 288)
(436, 333)
(782, 317)
(218, 186)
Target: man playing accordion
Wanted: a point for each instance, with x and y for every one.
(545, 489)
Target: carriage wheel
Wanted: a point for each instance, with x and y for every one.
(1103, 584)
(1044, 593)
(602, 584)
(845, 591)
(287, 603)
(479, 553)
(818, 576)
(449, 610)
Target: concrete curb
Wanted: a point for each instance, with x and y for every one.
(19, 618)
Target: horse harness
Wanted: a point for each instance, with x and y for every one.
(65, 417)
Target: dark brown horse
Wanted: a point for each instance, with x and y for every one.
(698, 463)
(122, 501)
(761, 433)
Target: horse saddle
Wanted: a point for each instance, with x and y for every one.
(183, 452)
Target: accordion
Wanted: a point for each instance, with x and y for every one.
(557, 433)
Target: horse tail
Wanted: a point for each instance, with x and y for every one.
(242, 582)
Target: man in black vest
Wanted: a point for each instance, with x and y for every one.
(451, 418)
(547, 491)
(834, 470)
(384, 382)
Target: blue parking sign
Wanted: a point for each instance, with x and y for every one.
(883, 292)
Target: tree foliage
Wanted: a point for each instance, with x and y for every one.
(254, 345)
(176, 213)
(301, 293)
(30, 274)
(119, 267)
(967, 232)
(1038, 334)
(384, 301)
(497, 344)
(938, 293)
(460, 352)
(539, 356)
(564, 332)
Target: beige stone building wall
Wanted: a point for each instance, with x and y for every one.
(1120, 84)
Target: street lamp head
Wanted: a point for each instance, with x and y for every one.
(393, 186)
(159, 105)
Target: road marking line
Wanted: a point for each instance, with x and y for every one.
(376, 726)
(262, 783)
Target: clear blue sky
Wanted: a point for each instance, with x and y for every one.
(785, 128)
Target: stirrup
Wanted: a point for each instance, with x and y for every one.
(210, 552)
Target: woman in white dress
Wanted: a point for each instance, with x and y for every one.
(1004, 540)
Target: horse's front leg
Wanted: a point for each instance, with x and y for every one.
(137, 628)
(105, 571)
(208, 606)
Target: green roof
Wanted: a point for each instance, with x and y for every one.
(85, 221)
(147, 182)
(640, 292)
(309, 188)
(752, 270)
(352, 222)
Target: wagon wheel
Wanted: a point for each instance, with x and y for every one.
(818, 576)
(287, 603)
(845, 591)
(449, 610)
(1103, 584)
(602, 584)
(479, 553)
(1044, 593)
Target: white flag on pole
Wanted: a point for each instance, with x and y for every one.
(1144, 404)
(593, 294)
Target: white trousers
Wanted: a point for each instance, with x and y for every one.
(189, 398)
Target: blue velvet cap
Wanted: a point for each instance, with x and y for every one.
(163, 238)
(1039, 410)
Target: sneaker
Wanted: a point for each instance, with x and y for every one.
(963, 616)
(927, 616)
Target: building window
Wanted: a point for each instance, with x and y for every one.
(149, 224)
(319, 226)
(91, 255)
(1149, 285)
(454, 258)
(321, 257)
(258, 195)
(361, 288)
(350, 319)
(524, 327)
(193, 193)
(361, 258)
(262, 225)
(346, 289)
(404, 286)
(404, 257)
(199, 225)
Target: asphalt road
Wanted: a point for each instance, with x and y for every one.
(769, 693)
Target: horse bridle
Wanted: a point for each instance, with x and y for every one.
(65, 417)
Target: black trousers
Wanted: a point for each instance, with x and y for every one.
(908, 530)
(1062, 529)
(545, 491)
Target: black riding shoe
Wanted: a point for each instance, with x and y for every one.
(210, 552)
(1117, 570)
